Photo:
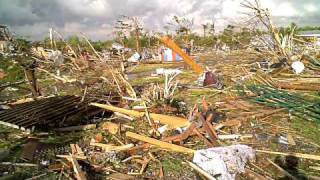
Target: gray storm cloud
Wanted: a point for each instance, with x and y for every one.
(32, 18)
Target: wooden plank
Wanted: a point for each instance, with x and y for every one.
(299, 155)
(209, 129)
(80, 175)
(112, 128)
(110, 147)
(76, 150)
(173, 122)
(159, 143)
(206, 141)
(75, 156)
(182, 136)
(201, 171)
(79, 150)
(18, 164)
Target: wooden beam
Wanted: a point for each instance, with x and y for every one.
(299, 155)
(172, 45)
(110, 147)
(80, 175)
(158, 143)
(201, 171)
(173, 122)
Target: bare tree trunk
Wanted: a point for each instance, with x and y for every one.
(30, 75)
(137, 40)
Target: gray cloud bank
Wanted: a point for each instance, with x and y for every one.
(33, 18)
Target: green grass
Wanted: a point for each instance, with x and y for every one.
(5, 132)
(307, 129)
(146, 81)
(152, 67)
(13, 71)
(172, 165)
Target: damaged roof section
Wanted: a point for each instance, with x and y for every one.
(51, 112)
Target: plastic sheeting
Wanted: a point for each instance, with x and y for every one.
(56, 57)
(224, 163)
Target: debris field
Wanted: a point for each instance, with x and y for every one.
(161, 112)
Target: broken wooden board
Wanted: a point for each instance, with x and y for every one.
(201, 171)
(80, 157)
(112, 128)
(111, 147)
(160, 144)
(299, 155)
(80, 175)
(76, 150)
(173, 122)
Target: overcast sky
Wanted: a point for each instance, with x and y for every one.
(32, 18)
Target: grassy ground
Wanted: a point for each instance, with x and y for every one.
(13, 71)
(152, 67)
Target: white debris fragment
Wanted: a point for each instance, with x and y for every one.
(298, 67)
(224, 162)
(56, 57)
(135, 57)
(162, 129)
(163, 71)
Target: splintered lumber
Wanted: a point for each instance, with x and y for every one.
(76, 150)
(76, 168)
(112, 128)
(206, 141)
(80, 157)
(172, 45)
(303, 87)
(201, 171)
(123, 116)
(291, 140)
(77, 128)
(173, 122)
(299, 155)
(182, 136)
(315, 168)
(161, 144)
(209, 129)
(110, 147)
(18, 164)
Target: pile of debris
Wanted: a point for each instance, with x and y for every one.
(91, 123)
